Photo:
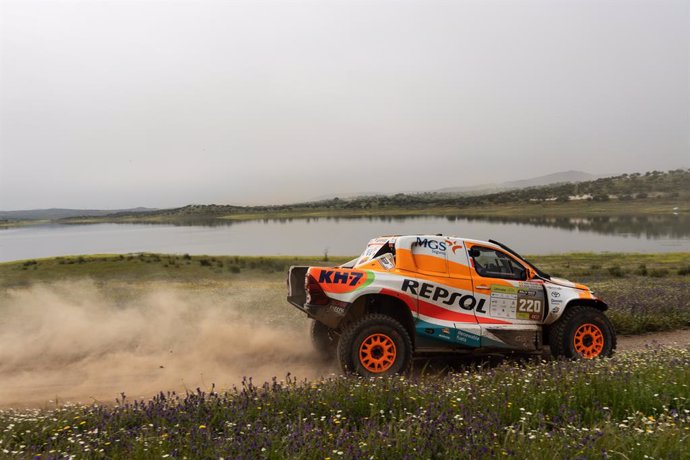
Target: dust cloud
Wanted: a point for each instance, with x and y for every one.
(72, 342)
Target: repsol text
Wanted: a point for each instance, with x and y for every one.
(437, 293)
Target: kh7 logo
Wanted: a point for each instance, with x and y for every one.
(435, 245)
(340, 281)
(328, 276)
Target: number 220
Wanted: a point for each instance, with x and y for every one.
(529, 306)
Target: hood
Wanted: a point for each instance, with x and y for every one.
(565, 283)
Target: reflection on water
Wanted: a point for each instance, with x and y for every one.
(677, 226)
(657, 226)
(347, 236)
(666, 226)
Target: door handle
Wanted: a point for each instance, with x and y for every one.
(482, 287)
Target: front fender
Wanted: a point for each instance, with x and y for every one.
(561, 297)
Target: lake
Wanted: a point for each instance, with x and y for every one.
(347, 236)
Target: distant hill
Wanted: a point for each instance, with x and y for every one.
(625, 189)
(653, 191)
(549, 179)
(562, 177)
(59, 213)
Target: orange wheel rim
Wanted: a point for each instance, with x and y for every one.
(588, 341)
(377, 353)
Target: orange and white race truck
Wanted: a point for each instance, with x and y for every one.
(419, 294)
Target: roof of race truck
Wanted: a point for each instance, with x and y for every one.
(386, 238)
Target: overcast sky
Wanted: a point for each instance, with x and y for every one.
(113, 104)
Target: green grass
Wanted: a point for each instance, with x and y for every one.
(645, 292)
(143, 267)
(633, 406)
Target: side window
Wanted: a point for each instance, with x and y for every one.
(491, 263)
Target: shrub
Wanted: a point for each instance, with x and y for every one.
(658, 273)
(616, 271)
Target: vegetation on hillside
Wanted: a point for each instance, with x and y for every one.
(652, 193)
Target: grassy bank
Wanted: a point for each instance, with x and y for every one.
(646, 292)
(635, 405)
(519, 210)
(583, 208)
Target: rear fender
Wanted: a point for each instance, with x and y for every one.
(383, 304)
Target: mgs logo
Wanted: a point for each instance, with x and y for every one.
(439, 246)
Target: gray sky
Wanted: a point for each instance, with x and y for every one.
(109, 104)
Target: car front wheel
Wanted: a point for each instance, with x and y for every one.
(582, 333)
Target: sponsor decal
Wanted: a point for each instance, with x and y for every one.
(467, 338)
(338, 310)
(518, 303)
(439, 294)
(503, 301)
(437, 247)
(529, 309)
(333, 276)
(386, 262)
(453, 246)
(341, 281)
(555, 294)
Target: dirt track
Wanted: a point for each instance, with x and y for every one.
(73, 342)
(639, 342)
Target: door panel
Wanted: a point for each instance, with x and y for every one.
(443, 317)
(514, 307)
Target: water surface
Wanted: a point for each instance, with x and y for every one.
(347, 236)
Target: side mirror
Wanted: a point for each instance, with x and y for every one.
(531, 274)
(474, 252)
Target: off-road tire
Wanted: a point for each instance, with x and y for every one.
(324, 340)
(375, 334)
(582, 333)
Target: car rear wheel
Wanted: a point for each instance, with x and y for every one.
(375, 345)
(582, 333)
(324, 340)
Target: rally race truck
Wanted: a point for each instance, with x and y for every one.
(420, 294)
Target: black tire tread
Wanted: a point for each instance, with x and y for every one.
(320, 340)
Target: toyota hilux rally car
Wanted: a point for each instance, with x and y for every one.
(420, 294)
